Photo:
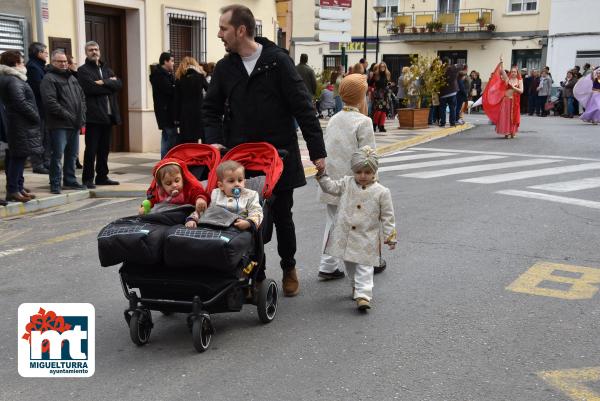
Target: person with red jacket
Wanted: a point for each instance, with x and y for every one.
(176, 185)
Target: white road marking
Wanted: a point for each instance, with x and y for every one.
(112, 202)
(9, 252)
(506, 154)
(551, 198)
(460, 160)
(479, 167)
(569, 186)
(521, 175)
(413, 157)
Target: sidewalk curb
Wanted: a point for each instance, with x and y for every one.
(118, 193)
(417, 140)
(18, 209)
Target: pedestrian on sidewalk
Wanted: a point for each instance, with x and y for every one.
(346, 133)
(448, 93)
(461, 97)
(336, 80)
(23, 128)
(190, 82)
(381, 105)
(568, 100)
(36, 69)
(365, 212)
(100, 86)
(543, 89)
(255, 95)
(163, 95)
(73, 69)
(64, 103)
(307, 74)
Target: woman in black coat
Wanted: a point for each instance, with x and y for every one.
(23, 130)
(189, 86)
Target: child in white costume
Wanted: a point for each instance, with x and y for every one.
(346, 132)
(365, 210)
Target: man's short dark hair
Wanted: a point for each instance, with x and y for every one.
(11, 58)
(241, 15)
(586, 66)
(164, 57)
(304, 58)
(35, 48)
(362, 61)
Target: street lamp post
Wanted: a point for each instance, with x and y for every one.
(365, 33)
(378, 10)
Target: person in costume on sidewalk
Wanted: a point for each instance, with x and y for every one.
(587, 92)
(365, 211)
(346, 132)
(502, 100)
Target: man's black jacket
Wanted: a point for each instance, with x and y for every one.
(63, 99)
(96, 95)
(163, 94)
(261, 107)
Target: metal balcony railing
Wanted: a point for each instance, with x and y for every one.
(468, 19)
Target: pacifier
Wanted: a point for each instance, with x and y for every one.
(236, 192)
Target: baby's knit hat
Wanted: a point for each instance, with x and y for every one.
(353, 90)
(365, 157)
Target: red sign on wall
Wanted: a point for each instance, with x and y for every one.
(336, 3)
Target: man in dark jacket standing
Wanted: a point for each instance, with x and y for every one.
(36, 69)
(307, 74)
(100, 86)
(254, 95)
(448, 93)
(64, 103)
(163, 94)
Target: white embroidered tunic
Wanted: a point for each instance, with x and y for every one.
(363, 213)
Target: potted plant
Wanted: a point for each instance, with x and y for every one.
(491, 27)
(481, 22)
(437, 25)
(462, 28)
(426, 76)
(394, 29)
(430, 26)
(415, 29)
(402, 27)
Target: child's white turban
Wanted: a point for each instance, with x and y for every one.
(364, 157)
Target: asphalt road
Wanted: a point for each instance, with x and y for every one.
(445, 324)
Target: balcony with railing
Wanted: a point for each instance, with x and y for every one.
(468, 23)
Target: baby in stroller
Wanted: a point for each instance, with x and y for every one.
(231, 193)
(176, 186)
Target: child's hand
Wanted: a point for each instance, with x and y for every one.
(141, 210)
(200, 205)
(191, 224)
(242, 224)
(391, 245)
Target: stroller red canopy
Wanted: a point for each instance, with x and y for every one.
(262, 157)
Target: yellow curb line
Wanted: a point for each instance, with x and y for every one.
(406, 143)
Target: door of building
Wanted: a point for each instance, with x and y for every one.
(106, 26)
(530, 59)
(395, 62)
(455, 56)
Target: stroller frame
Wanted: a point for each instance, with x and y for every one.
(230, 298)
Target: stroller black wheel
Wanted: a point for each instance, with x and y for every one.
(140, 327)
(201, 333)
(268, 295)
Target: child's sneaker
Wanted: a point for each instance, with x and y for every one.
(336, 274)
(363, 304)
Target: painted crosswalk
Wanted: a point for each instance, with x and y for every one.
(510, 169)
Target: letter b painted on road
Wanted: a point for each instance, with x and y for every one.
(558, 281)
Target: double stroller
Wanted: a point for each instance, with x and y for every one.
(169, 268)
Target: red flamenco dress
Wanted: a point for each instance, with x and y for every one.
(503, 111)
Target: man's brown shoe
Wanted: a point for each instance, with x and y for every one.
(290, 283)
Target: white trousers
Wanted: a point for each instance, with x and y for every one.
(329, 264)
(361, 277)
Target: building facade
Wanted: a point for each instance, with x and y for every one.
(574, 35)
(476, 32)
(131, 35)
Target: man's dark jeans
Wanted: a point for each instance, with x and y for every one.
(531, 101)
(168, 140)
(284, 225)
(449, 101)
(64, 142)
(14, 173)
(97, 146)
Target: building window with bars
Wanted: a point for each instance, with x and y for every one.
(187, 35)
(13, 34)
(258, 28)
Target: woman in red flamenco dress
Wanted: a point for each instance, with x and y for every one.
(502, 100)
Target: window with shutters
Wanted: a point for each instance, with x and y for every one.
(12, 34)
(186, 35)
